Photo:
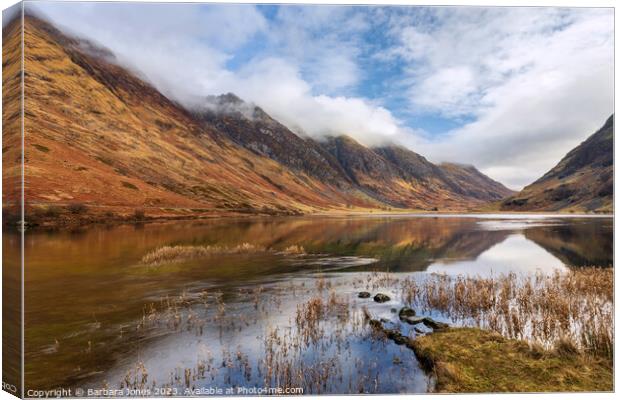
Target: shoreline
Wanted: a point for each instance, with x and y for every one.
(68, 221)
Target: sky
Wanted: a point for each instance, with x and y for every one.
(510, 90)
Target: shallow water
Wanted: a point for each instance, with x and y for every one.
(94, 314)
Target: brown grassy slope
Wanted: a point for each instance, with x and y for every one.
(453, 181)
(96, 134)
(11, 117)
(581, 182)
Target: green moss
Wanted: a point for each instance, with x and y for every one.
(473, 360)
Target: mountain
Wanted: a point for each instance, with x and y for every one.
(368, 170)
(391, 175)
(11, 121)
(103, 143)
(582, 181)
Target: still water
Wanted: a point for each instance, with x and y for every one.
(98, 318)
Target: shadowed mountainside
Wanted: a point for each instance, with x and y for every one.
(582, 181)
(468, 181)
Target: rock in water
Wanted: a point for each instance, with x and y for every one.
(392, 334)
(381, 298)
(406, 312)
(436, 325)
(363, 295)
(413, 320)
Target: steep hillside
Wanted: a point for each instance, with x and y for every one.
(101, 141)
(11, 121)
(581, 182)
(403, 178)
(97, 135)
(374, 175)
(12, 328)
(409, 163)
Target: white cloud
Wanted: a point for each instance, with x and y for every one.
(278, 87)
(323, 41)
(535, 81)
(451, 91)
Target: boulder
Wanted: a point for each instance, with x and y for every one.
(363, 295)
(381, 298)
(413, 320)
(406, 312)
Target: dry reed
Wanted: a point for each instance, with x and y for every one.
(575, 306)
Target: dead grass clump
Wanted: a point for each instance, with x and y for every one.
(307, 319)
(575, 306)
(175, 254)
(565, 347)
(77, 208)
(309, 352)
(294, 249)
